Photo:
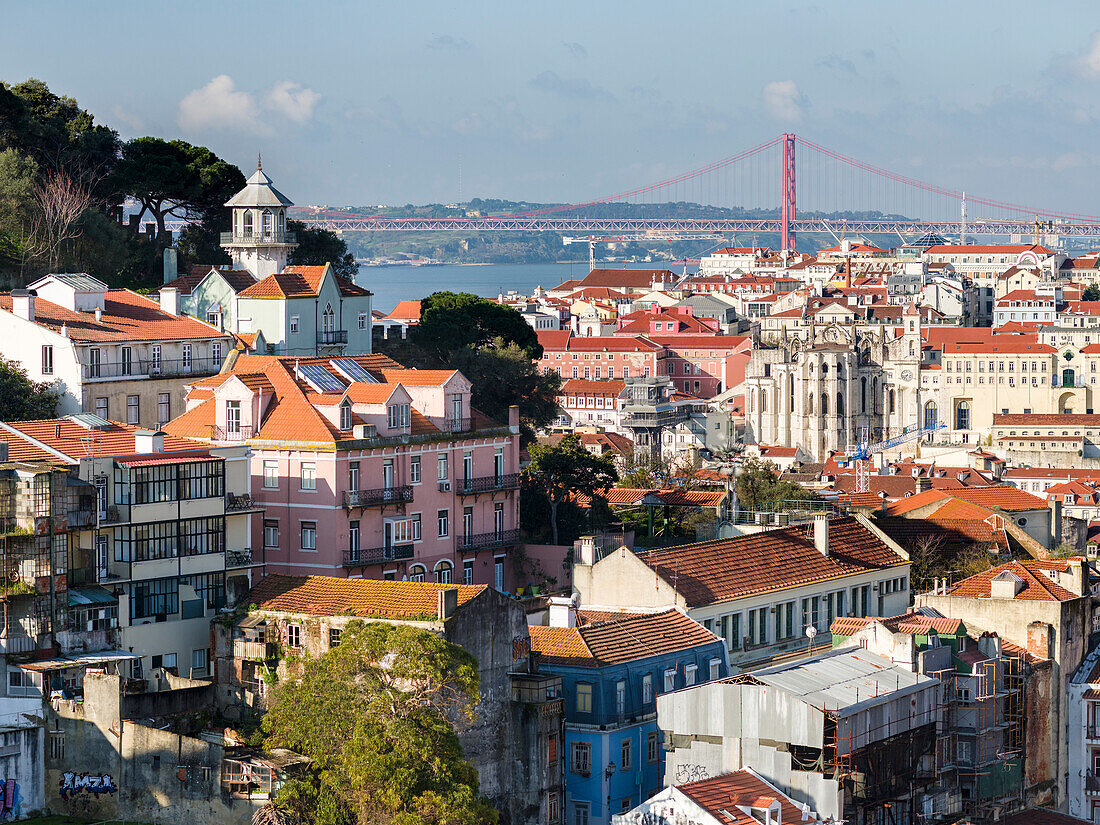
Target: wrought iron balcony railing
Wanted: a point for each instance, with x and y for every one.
(152, 368)
(332, 336)
(488, 541)
(487, 484)
(377, 555)
(379, 497)
(260, 237)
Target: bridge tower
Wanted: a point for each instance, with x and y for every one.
(788, 240)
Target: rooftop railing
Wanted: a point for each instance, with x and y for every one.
(261, 237)
(363, 556)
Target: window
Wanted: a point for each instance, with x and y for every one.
(444, 572)
(186, 361)
(57, 745)
(468, 572)
(294, 635)
(626, 754)
(293, 324)
(309, 535)
(690, 675)
(345, 415)
(271, 474)
(653, 747)
(441, 467)
(962, 416)
(498, 573)
(156, 598)
(580, 759)
(233, 417)
(670, 679)
(580, 811)
(309, 475)
(414, 470)
(729, 628)
(620, 697)
(101, 407)
(133, 409)
(647, 688)
(47, 359)
(552, 805)
(363, 320)
(784, 620)
(353, 538)
(164, 408)
(758, 626)
(154, 357)
(271, 532)
(443, 521)
(715, 669)
(334, 637)
(398, 415)
(198, 661)
(216, 353)
(417, 573)
(584, 698)
(811, 611)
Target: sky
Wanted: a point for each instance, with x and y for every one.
(355, 103)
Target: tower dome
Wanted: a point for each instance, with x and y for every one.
(259, 240)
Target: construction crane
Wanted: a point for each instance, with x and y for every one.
(861, 456)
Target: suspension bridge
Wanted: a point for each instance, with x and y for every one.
(786, 185)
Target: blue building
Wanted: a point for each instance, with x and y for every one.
(613, 666)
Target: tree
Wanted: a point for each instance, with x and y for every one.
(172, 178)
(317, 247)
(22, 399)
(377, 716)
(562, 470)
(758, 486)
(1091, 293)
(502, 375)
(450, 321)
(61, 202)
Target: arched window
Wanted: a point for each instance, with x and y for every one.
(962, 416)
(345, 415)
(417, 572)
(840, 403)
(248, 222)
(863, 394)
(930, 414)
(840, 371)
(810, 404)
(265, 217)
(824, 403)
(444, 572)
(763, 401)
(912, 348)
(328, 319)
(824, 369)
(892, 402)
(790, 393)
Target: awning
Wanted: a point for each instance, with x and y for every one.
(167, 458)
(252, 620)
(78, 660)
(83, 596)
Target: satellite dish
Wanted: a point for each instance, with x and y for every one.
(811, 631)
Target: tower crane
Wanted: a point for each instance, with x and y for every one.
(861, 456)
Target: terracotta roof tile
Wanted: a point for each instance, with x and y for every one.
(910, 622)
(73, 440)
(406, 311)
(620, 637)
(771, 560)
(327, 596)
(720, 796)
(299, 281)
(1037, 586)
(583, 386)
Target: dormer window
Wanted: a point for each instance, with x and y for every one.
(345, 415)
(399, 415)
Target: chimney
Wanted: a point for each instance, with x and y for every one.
(447, 603)
(922, 484)
(1055, 522)
(821, 533)
(171, 268)
(1078, 575)
(1039, 640)
(513, 418)
(99, 315)
(170, 300)
(22, 303)
(563, 611)
(148, 441)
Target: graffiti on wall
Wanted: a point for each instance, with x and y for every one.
(75, 784)
(691, 773)
(9, 801)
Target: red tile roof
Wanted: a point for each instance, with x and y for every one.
(905, 623)
(1037, 585)
(619, 638)
(237, 278)
(771, 560)
(327, 596)
(406, 311)
(299, 282)
(582, 386)
(1045, 420)
(74, 441)
(720, 796)
(126, 316)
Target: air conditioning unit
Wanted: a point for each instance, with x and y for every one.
(444, 486)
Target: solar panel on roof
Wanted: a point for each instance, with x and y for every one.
(353, 371)
(90, 421)
(320, 379)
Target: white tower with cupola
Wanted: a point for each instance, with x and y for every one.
(259, 241)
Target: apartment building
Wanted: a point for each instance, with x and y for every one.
(596, 358)
(613, 666)
(591, 404)
(760, 592)
(112, 352)
(364, 468)
(169, 543)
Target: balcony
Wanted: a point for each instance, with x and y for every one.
(332, 336)
(238, 558)
(241, 504)
(380, 497)
(237, 433)
(258, 238)
(1092, 783)
(80, 518)
(458, 425)
(488, 541)
(377, 555)
(487, 484)
(146, 368)
(257, 651)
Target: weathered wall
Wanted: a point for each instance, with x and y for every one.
(22, 772)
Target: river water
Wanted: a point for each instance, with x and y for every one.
(391, 284)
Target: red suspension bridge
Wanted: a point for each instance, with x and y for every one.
(754, 191)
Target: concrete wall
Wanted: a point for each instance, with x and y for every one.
(22, 749)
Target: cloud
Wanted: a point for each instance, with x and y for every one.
(447, 42)
(783, 100)
(575, 49)
(128, 119)
(576, 88)
(1088, 62)
(293, 100)
(220, 105)
(836, 63)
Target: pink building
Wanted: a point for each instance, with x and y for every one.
(367, 469)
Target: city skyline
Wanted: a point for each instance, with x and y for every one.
(353, 105)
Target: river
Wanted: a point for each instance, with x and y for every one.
(391, 284)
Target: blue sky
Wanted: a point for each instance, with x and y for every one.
(356, 102)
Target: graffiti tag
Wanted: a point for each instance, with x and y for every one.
(73, 784)
(691, 773)
(9, 809)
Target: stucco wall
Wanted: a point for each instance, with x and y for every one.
(22, 769)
